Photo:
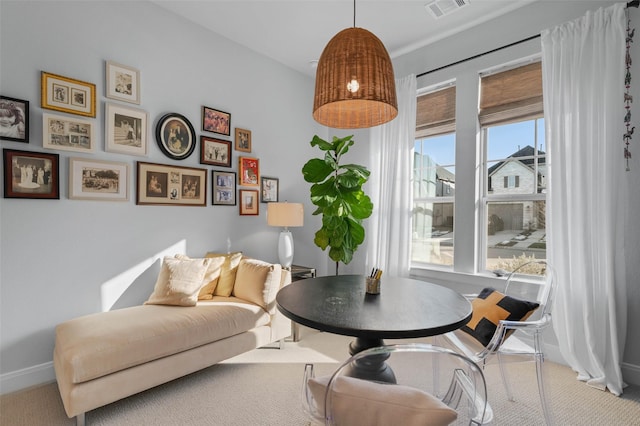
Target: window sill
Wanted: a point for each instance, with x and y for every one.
(467, 283)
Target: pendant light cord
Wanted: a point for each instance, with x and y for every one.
(354, 13)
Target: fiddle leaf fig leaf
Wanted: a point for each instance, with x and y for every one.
(316, 170)
(360, 171)
(341, 146)
(322, 144)
(321, 239)
(349, 180)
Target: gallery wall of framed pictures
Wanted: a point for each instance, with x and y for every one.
(69, 123)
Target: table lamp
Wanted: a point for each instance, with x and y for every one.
(286, 215)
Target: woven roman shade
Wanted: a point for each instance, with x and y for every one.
(436, 112)
(354, 54)
(511, 95)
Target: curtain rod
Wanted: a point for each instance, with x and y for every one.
(633, 3)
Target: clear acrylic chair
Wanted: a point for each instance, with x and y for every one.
(503, 346)
(433, 386)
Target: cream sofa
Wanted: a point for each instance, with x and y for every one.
(103, 357)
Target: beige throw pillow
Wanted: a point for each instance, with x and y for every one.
(258, 282)
(227, 273)
(361, 402)
(210, 280)
(179, 282)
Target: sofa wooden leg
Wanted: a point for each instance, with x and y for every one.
(281, 346)
(80, 419)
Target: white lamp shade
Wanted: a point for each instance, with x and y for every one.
(285, 214)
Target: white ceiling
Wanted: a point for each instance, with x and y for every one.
(294, 32)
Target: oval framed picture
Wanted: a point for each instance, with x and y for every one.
(175, 136)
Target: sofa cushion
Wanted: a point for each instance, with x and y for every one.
(180, 280)
(210, 280)
(258, 282)
(228, 272)
(99, 344)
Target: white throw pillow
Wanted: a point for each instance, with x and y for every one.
(258, 282)
(210, 280)
(179, 282)
(362, 402)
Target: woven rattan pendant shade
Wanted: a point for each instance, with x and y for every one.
(354, 54)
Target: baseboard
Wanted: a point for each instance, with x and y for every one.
(630, 373)
(27, 377)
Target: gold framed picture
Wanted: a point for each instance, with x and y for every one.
(67, 95)
(243, 140)
(160, 184)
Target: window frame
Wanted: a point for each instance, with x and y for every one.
(432, 200)
(486, 198)
(470, 213)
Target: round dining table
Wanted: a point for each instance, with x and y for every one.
(405, 308)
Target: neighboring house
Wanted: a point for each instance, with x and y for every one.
(432, 183)
(517, 175)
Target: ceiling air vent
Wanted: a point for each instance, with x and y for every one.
(439, 8)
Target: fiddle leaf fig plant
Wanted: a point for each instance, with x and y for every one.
(337, 193)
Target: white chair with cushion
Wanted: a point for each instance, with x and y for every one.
(415, 399)
(496, 316)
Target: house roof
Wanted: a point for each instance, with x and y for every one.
(527, 151)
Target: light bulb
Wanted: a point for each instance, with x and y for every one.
(353, 85)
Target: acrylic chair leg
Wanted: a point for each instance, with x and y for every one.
(544, 401)
(505, 377)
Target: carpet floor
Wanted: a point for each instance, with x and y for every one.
(263, 387)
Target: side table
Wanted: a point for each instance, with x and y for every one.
(299, 272)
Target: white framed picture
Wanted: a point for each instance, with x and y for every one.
(123, 83)
(98, 180)
(125, 130)
(67, 133)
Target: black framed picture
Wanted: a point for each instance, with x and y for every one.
(216, 121)
(175, 136)
(216, 152)
(224, 188)
(30, 174)
(269, 189)
(14, 119)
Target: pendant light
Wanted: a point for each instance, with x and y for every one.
(355, 85)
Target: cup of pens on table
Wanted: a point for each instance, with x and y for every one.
(373, 281)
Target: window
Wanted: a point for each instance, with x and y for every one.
(433, 195)
(499, 197)
(434, 178)
(515, 197)
(512, 135)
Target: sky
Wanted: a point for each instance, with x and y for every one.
(503, 141)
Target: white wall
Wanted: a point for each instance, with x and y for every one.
(65, 258)
(518, 25)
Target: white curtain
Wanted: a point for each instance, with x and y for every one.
(389, 227)
(583, 64)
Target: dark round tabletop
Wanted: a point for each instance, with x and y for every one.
(405, 308)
